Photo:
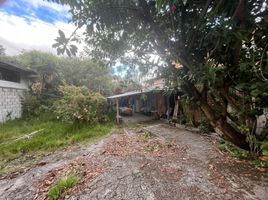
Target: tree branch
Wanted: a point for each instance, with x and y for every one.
(199, 23)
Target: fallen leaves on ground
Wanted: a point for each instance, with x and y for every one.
(86, 169)
(128, 145)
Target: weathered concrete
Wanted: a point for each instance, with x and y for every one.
(10, 103)
(172, 164)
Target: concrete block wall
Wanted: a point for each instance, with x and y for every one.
(10, 103)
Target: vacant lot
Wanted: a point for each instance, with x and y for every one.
(23, 141)
(156, 162)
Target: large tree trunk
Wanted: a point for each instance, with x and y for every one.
(220, 123)
(217, 120)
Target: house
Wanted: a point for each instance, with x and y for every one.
(14, 80)
(155, 100)
(149, 100)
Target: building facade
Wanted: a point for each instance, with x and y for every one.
(14, 81)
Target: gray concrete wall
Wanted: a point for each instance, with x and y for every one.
(11, 95)
(10, 103)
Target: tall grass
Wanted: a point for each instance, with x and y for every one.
(55, 135)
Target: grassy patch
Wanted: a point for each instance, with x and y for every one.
(62, 186)
(55, 135)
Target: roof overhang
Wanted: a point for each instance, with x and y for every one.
(132, 93)
(17, 68)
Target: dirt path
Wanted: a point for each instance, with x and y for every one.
(171, 164)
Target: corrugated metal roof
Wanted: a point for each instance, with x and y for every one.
(125, 94)
(131, 93)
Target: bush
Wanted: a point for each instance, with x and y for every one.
(78, 104)
(33, 106)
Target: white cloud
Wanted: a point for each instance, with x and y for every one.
(18, 33)
(50, 5)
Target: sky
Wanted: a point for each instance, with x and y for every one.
(32, 24)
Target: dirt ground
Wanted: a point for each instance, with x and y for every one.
(136, 118)
(153, 162)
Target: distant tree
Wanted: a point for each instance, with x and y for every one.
(90, 73)
(54, 71)
(47, 66)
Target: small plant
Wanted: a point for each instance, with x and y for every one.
(254, 144)
(261, 163)
(62, 186)
(234, 151)
(145, 136)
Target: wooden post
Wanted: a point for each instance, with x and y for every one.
(175, 113)
(168, 109)
(117, 111)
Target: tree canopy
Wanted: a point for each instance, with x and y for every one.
(220, 45)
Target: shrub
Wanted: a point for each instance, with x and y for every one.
(264, 147)
(34, 106)
(78, 104)
(31, 105)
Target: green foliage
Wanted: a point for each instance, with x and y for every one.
(204, 126)
(90, 73)
(47, 67)
(57, 191)
(79, 105)
(234, 151)
(54, 135)
(31, 105)
(144, 137)
(53, 71)
(63, 46)
(241, 154)
(261, 163)
(217, 45)
(264, 147)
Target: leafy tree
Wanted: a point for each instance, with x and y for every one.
(123, 84)
(90, 73)
(220, 45)
(48, 68)
(53, 71)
